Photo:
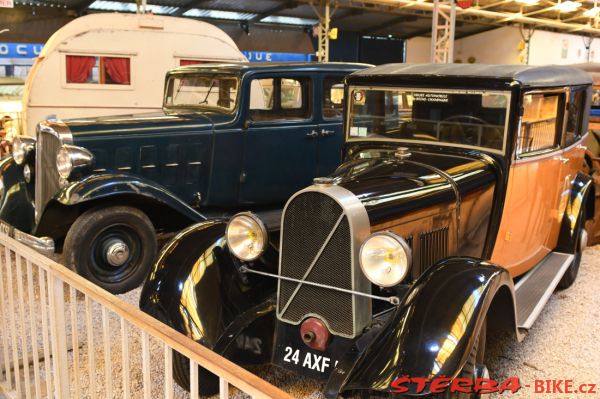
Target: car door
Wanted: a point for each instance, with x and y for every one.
(530, 220)
(331, 132)
(280, 138)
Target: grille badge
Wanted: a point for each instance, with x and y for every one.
(323, 181)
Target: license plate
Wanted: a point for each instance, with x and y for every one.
(5, 228)
(310, 361)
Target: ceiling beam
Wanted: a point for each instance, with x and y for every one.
(274, 10)
(188, 6)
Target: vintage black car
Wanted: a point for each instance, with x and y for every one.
(459, 208)
(243, 136)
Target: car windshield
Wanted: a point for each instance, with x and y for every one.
(472, 118)
(212, 91)
(11, 91)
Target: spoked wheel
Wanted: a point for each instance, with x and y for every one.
(112, 247)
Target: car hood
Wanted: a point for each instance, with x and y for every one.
(147, 123)
(389, 186)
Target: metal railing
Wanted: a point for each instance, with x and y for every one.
(60, 337)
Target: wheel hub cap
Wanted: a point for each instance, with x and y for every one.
(117, 253)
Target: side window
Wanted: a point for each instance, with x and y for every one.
(98, 70)
(575, 116)
(274, 99)
(333, 97)
(540, 123)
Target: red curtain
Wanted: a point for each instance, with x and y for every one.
(118, 69)
(79, 68)
(189, 62)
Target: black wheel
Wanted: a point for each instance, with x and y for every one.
(570, 275)
(112, 247)
(208, 383)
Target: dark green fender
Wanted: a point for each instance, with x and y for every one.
(17, 206)
(106, 189)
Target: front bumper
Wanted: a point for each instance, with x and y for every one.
(44, 245)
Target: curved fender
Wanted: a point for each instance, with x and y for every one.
(195, 287)
(432, 331)
(17, 207)
(105, 185)
(581, 193)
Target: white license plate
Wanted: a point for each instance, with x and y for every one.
(308, 360)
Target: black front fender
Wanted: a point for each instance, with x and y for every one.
(581, 196)
(17, 207)
(196, 288)
(432, 331)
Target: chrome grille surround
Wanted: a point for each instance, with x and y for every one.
(51, 135)
(322, 229)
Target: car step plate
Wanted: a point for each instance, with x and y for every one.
(534, 289)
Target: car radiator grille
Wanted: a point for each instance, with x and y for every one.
(309, 220)
(47, 179)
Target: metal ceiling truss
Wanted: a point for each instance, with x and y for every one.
(442, 31)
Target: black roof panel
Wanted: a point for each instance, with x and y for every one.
(244, 67)
(527, 75)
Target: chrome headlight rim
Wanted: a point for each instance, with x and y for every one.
(402, 244)
(21, 148)
(71, 159)
(260, 229)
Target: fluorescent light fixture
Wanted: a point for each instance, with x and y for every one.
(276, 19)
(567, 6)
(218, 14)
(105, 5)
(592, 12)
(527, 2)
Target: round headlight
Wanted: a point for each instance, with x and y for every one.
(246, 236)
(64, 163)
(385, 259)
(18, 151)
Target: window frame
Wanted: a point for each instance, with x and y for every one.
(277, 106)
(579, 133)
(99, 86)
(322, 99)
(561, 123)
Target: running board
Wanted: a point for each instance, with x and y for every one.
(534, 289)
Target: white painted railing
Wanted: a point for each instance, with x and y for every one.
(61, 334)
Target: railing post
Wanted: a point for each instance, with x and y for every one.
(59, 336)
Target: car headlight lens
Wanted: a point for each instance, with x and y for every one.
(385, 259)
(246, 236)
(18, 151)
(64, 163)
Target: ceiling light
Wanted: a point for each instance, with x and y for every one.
(567, 6)
(277, 19)
(527, 2)
(592, 12)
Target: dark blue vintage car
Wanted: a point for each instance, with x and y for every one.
(231, 137)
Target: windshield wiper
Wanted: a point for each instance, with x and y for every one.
(205, 101)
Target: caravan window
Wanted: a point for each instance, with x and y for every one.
(183, 62)
(98, 70)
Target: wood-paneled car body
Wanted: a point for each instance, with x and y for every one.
(458, 209)
(230, 136)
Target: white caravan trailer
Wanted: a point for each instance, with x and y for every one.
(110, 64)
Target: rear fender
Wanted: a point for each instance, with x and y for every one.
(165, 210)
(432, 332)
(17, 207)
(582, 194)
(196, 288)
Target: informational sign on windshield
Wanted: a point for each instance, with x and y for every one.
(432, 97)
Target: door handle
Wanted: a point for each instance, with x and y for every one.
(581, 147)
(312, 134)
(562, 159)
(326, 133)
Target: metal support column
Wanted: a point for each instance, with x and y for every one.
(324, 14)
(442, 32)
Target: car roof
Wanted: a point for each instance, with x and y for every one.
(246, 67)
(526, 75)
